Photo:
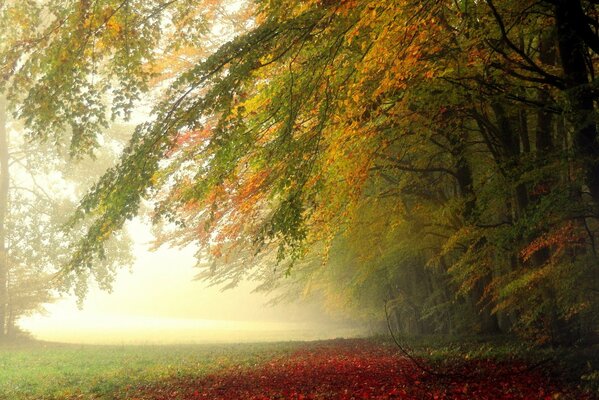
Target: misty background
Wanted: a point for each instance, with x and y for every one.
(157, 301)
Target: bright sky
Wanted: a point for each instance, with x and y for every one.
(159, 302)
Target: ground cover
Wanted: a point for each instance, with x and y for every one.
(335, 369)
(366, 369)
(48, 371)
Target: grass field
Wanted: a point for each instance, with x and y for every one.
(332, 369)
(54, 371)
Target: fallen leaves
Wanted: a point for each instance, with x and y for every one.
(360, 369)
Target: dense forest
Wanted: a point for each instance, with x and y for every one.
(440, 156)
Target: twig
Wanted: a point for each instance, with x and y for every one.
(454, 375)
(417, 363)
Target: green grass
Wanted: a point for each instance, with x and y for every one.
(56, 371)
(51, 371)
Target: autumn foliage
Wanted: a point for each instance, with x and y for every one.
(441, 155)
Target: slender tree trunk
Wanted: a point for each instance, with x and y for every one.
(10, 322)
(488, 320)
(510, 142)
(544, 139)
(569, 15)
(523, 131)
(544, 143)
(4, 181)
(569, 18)
(523, 115)
(464, 178)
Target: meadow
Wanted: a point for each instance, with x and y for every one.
(41, 370)
(328, 369)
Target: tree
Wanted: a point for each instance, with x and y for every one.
(475, 121)
(37, 200)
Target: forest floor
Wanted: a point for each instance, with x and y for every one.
(333, 369)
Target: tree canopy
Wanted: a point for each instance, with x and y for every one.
(441, 154)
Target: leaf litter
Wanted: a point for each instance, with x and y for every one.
(363, 369)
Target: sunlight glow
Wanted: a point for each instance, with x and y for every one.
(158, 302)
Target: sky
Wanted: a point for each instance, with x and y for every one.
(157, 301)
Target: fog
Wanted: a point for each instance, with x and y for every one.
(157, 301)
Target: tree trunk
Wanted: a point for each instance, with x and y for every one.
(523, 131)
(569, 15)
(570, 22)
(544, 139)
(11, 331)
(4, 181)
